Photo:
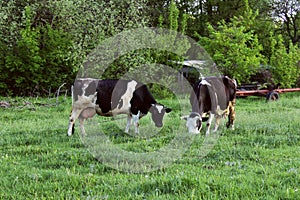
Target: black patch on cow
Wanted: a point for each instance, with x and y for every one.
(105, 90)
(204, 119)
(73, 128)
(193, 115)
(91, 89)
(142, 100)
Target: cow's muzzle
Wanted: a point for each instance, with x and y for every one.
(159, 125)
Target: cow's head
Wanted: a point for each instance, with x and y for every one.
(157, 113)
(193, 122)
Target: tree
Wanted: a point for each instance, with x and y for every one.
(234, 47)
(53, 37)
(284, 64)
(287, 15)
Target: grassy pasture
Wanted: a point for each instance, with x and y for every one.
(258, 160)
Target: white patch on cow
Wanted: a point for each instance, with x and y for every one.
(159, 108)
(204, 82)
(216, 97)
(192, 124)
(125, 99)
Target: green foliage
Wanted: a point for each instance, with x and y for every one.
(39, 56)
(23, 64)
(44, 43)
(285, 63)
(165, 47)
(176, 20)
(57, 54)
(184, 23)
(173, 16)
(241, 46)
(234, 48)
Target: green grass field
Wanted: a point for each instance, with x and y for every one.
(260, 159)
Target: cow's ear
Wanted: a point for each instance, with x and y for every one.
(184, 117)
(168, 110)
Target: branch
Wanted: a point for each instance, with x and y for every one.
(58, 93)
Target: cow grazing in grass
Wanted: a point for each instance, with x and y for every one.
(129, 97)
(215, 96)
(114, 97)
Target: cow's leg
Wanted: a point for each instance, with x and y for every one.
(217, 122)
(73, 117)
(85, 114)
(231, 116)
(128, 123)
(136, 122)
(208, 124)
(71, 126)
(81, 115)
(81, 122)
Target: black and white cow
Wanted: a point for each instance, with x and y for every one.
(114, 97)
(129, 97)
(215, 96)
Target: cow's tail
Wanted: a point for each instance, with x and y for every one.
(72, 94)
(71, 120)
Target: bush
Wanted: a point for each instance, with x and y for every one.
(285, 62)
(39, 61)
